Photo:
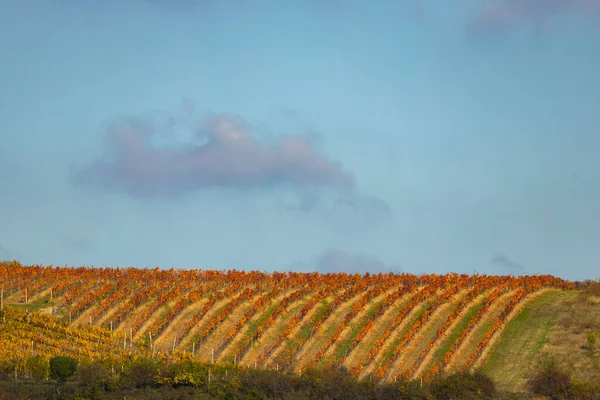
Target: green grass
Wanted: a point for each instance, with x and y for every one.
(34, 305)
(342, 349)
(305, 331)
(522, 339)
(454, 334)
(389, 352)
(248, 337)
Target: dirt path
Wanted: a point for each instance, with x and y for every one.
(155, 316)
(415, 346)
(379, 326)
(301, 329)
(267, 340)
(398, 332)
(352, 328)
(252, 324)
(437, 351)
(474, 337)
(164, 341)
(319, 338)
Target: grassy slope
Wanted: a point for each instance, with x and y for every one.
(553, 324)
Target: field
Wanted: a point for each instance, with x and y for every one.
(384, 326)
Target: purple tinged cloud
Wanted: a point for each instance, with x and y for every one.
(504, 261)
(340, 261)
(223, 154)
(503, 14)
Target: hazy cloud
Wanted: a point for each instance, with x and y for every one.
(220, 153)
(502, 14)
(505, 262)
(340, 261)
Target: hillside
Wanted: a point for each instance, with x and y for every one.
(384, 325)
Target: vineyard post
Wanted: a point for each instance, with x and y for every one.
(208, 376)
(70, 320)
(111, 328)
(90, 320)
(174, 341)
(150, 336)
(212, 355)
(130, 334)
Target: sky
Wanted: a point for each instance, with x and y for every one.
(416, 136)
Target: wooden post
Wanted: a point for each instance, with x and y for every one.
(212, 355)
(111, 331)
(90, 319)
(130, 334)
(208, 375)
(32, 345)
(150, 335)
(174, 341)
(70, 318)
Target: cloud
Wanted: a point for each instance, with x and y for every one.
(340, 261)
(143, 158)
(504, 14)
(505, 262)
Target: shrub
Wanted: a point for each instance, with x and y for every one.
(37, 367)
(550, 380)
(585, 390)
(463, 386)
(62, 368)
(591, 337)
(141, 373)
(93, 379)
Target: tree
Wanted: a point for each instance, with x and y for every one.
(62, 368)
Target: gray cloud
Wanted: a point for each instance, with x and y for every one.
(503, 14)
(504, 261)
(340, 261)
(221, 153)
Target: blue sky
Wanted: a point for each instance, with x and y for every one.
(420, 136)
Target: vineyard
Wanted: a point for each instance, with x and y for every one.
(380, 325)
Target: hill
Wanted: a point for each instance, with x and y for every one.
(384, 325)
